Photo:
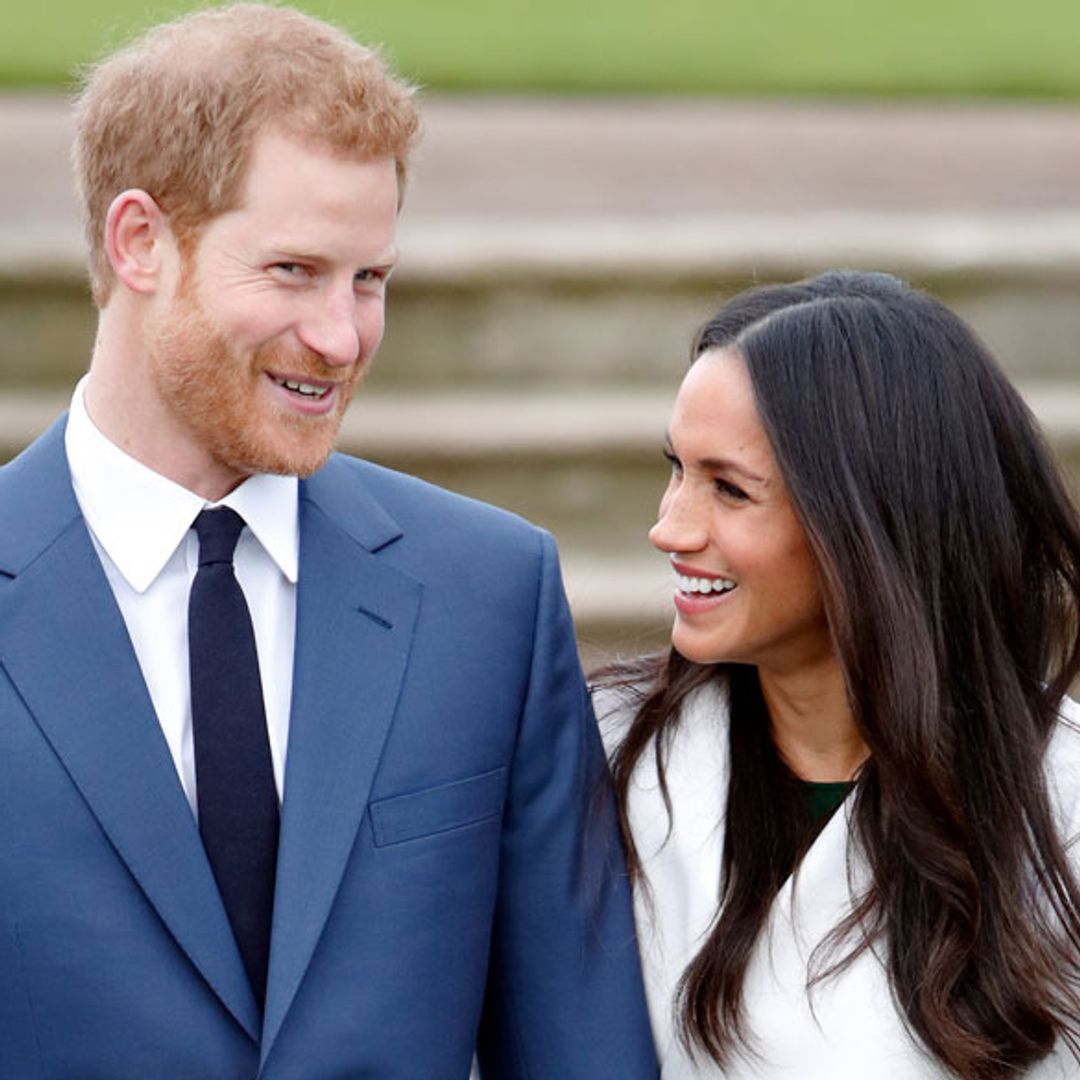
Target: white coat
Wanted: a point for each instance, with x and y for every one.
(850, 1026)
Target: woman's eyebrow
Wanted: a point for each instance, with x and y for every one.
(717, 464)
(721, 464)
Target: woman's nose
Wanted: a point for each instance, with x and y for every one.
(679, 525)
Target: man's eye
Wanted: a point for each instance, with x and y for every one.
(289, 268)
(673, 461)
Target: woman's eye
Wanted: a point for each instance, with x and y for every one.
(730, 490)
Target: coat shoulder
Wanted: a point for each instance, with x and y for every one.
(1063, 770)
(413, 502)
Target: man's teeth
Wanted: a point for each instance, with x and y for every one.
(703, 584)
(304, 388)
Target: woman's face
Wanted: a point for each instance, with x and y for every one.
(746, 584)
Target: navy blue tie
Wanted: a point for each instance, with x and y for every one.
(234, 776)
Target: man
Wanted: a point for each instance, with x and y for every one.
(338, 820)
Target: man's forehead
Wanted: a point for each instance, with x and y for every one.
(306, 204)
(282, 164)
(287, 135)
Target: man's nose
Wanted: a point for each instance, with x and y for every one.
(332, 329)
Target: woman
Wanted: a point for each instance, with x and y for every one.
(849, 789)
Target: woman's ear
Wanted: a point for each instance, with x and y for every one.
(137, 235)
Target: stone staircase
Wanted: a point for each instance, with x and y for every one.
(557, 257)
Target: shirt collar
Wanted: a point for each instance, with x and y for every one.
(140, 517)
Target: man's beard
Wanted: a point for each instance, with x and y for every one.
(214, 391)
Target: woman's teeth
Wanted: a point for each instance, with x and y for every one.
(703, 584)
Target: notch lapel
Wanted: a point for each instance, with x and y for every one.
(64, 645)
(354, 629)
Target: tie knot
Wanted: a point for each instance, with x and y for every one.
(218, 532)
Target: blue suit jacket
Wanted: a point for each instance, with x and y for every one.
(446, 874)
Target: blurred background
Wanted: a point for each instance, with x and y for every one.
(594, 179)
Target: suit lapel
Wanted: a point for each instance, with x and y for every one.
(64, 645)
(354, 629)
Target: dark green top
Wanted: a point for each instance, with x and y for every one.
(823, 797)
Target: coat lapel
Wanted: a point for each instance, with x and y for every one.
(64, 645)
(814, 900)
(354, 629)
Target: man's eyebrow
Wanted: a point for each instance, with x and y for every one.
(287, 253)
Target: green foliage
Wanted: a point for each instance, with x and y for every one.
(817, 47)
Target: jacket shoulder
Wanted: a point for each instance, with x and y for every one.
(424, 511)
(37, 502)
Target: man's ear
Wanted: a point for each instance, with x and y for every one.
(137, 237)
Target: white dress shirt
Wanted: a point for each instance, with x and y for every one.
(140, 523)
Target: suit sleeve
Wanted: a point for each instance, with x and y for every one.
(564, 997)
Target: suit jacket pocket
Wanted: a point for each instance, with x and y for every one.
(438, 809)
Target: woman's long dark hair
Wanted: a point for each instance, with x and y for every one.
(948, 552)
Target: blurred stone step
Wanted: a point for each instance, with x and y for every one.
(527, 303)
(537, 427)
(474, 250)
(461, 426)
(545, 157)
(587, 464)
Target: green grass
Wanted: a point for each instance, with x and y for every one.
(930, 48)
